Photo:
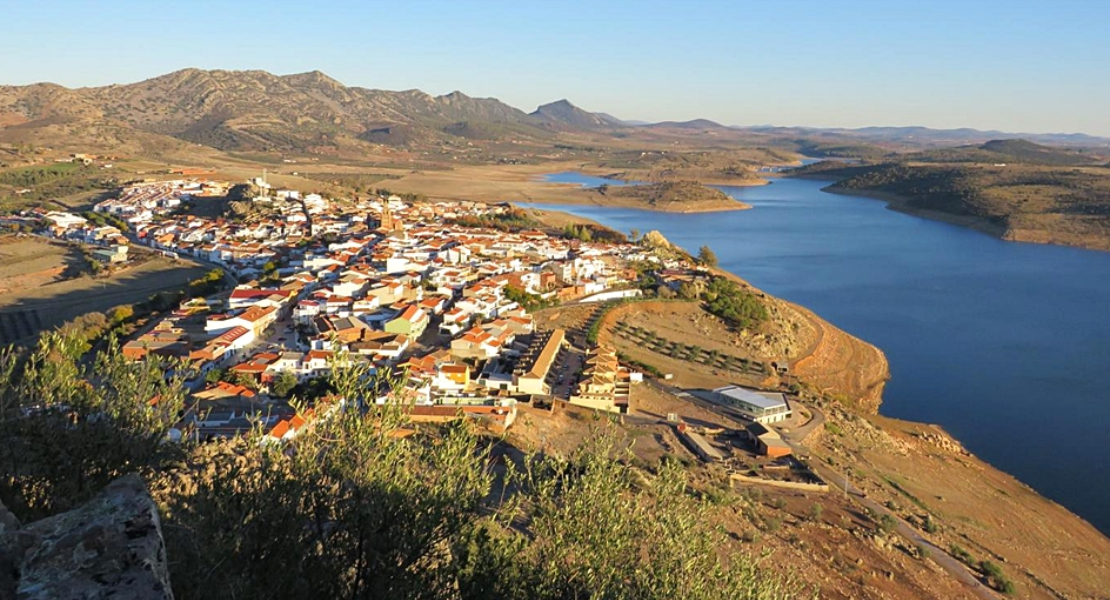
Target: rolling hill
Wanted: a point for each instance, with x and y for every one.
(1009, 151)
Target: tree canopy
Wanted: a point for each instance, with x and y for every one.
(726, 299)
(706, 257)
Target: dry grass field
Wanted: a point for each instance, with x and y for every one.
(29, 262)
(40, 287)
(700, 349)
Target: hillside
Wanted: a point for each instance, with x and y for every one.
(1028, 202)
(563, 113)
(1009, 151)
(237, 110)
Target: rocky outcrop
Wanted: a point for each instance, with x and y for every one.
(8, 522)
(111, 547)
(654, 239)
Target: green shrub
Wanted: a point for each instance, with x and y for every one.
(726, 299)
(887, 523)
(358, 511)
(961, 555)
(995, 577)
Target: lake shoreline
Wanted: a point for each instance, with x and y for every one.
(903, 204)
(1008, 233)
(867, 396)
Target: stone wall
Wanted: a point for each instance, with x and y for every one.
(111, 547)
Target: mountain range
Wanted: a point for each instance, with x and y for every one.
(235, 110)
(257, 110)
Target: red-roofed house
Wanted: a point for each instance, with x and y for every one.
(246, 297)
(411, 322)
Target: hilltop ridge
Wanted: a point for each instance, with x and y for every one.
(236, 110)
(256, 110)
(562, 112)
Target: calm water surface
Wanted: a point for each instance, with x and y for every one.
(1006, 345)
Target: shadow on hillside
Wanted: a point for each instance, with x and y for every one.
(62, 301)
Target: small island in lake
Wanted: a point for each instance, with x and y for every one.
(667, 196)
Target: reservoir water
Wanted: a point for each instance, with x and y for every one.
(1005, 345)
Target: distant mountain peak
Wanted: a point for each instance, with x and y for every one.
(693, 124)
(314, 76)
(455, 97)
(563, 113)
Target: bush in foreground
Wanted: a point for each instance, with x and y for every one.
(356, 507)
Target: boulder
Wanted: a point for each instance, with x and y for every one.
(10, 553)
(111, 547)
(8, 522)
(654, 239)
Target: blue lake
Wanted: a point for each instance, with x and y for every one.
(1006, 345)
(584, 180)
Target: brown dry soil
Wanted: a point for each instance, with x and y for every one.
(837, 550)
(920, 470)
(40, 289)
(28, 262)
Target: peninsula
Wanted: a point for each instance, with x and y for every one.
(1013, 189)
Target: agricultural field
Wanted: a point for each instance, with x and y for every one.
(702, 350)
(42, 285)
(29, 262)
(689, 352)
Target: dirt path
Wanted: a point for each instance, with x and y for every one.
(938, 555)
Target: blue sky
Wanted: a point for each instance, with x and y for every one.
(1018, 65)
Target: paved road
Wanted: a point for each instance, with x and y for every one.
(798, 435)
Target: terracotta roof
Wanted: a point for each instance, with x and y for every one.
(280, 430)
(243, 293)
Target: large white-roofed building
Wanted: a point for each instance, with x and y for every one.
(761, 407)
